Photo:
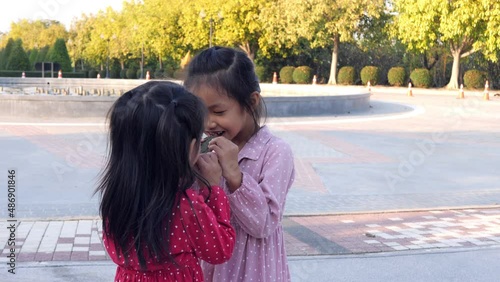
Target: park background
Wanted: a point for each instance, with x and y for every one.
(432, 43)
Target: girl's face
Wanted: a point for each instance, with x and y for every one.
(225, 116)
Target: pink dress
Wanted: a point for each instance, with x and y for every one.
(212, 240)
(256, 212)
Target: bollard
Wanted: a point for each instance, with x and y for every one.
(23, 75)
(486, 95)
(461, 94)
(410, 92)
(148, 76)
(59, 74)
(314, 80)
(275, 78)
(369, 86)
(98, 75)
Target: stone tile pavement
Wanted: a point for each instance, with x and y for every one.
(80, 240)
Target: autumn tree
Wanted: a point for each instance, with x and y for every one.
(58, 53)
(462, 26)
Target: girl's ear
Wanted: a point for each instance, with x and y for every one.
(255, 99)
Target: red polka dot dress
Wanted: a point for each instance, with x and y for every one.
(207, 235)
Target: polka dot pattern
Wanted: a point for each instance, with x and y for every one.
(199, 231)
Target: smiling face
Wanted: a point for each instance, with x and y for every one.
(225, 116)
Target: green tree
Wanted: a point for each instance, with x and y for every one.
(324, 23)
(58, 53)
(32, 57)
(463, 26)
(38, 33)
(18, 59)
(6, 53)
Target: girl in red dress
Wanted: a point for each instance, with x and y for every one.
(156, 227)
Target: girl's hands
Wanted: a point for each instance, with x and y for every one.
(209, 167)
(227, 153)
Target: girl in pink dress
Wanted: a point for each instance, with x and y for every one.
(257, 167)
(155, 226)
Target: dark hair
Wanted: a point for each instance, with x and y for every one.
(228, 70)
(151, 129)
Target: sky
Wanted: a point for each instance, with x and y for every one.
(61, 10)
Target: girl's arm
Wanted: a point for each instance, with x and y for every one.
(207, 225)
(258, 205)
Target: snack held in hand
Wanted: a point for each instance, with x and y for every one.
(204, 144)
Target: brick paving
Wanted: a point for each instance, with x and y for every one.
(80, 240)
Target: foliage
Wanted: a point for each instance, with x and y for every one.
(93, 74)
(421, 78)
(262, 73)
(474, 79)
(59, 54)
(6, 53)
(123, 73)
(396, 76)
(347, 75)
(371, 74)
(302, 75)
(463, 26)
(18, 59)
(38, 33)
(132, 73)
(286, 74)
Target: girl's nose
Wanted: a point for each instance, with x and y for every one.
(211, 123)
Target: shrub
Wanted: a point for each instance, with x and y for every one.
(159, 74)
(92, 74)
(371, 74)
(286, 74)
(102, 73)
(421, 78)
(180, 74)
(346, 75)
(261, 73)
(474, 79)
(396, 76)
(132, 73)
(123, 73)
(302, 75)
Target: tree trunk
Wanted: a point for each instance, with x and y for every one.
(248, 49)
(335, 54)
(453, 83)
(161, 63)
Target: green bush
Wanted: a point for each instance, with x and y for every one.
(421, 78)
(286, 74)
(396, 76)
(92, 74)
(180, 74)
(261, 73)
(346, 75)
(102, 73)
(302, 75)
(474, 79)
(114, 73)
(132, 73)
(39, 74)
(371, 74)
(123, 73)
(160, 74)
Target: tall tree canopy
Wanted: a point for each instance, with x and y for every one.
(462, 26)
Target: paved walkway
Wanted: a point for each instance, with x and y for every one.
(414, 173)
(80, 240)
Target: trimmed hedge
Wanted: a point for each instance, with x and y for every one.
(39, 74)
(396, 76)
(371, 74)
(421, 78)
(261, 73)
(131, 73)
(346, 75)
(123, 73)
(92, 74)
(286, 74)
(474, 79)
(302, 75)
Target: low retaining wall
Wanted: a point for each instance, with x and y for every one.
(281, 100)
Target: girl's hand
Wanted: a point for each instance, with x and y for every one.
(227, 153)
(209, 167)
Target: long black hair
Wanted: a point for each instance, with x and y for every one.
(230, 71)
(151, 128)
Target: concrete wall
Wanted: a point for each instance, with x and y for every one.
(281, 100)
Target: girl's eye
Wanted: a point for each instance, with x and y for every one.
(219, 112)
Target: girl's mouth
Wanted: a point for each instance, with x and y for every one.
(214, 133)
